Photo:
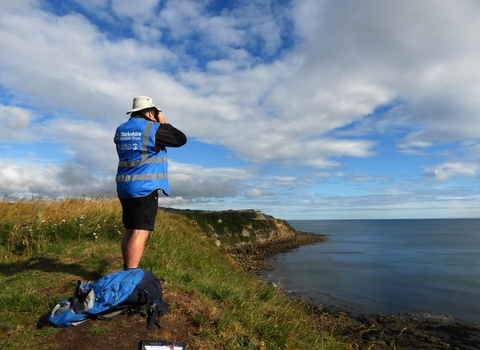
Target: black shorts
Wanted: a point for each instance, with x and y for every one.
(139, 213)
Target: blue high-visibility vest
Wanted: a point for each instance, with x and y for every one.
(141, 169)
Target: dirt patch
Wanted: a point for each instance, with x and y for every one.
(125, 332)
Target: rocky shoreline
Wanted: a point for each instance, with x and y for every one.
(251, 257)
(365, 331)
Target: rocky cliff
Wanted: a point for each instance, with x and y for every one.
(239, 227)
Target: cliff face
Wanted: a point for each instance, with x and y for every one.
(239, 227)
(271, 230)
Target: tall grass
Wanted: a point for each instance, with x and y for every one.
(46, 245)
(27, 226)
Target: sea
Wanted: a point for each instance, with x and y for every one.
(427, 268)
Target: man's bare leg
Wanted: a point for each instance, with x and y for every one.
(133, 245)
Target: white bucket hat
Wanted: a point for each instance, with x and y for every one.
(142, 102)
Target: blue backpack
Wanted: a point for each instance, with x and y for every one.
(112, 295)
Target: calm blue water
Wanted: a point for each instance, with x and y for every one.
(387, 266)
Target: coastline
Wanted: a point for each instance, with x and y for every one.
(364, 331)
(251, 257)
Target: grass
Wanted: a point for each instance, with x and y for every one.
(45, 246)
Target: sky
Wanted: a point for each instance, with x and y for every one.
(301, 109)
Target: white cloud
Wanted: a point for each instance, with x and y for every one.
(93, 5)
(445, 171)
(51, 180)
(181, 18)
(15, 123)
(399, 52)
(138, 11)
(146, 33)
(190, 181)
(87, 142)
(413, 145)
(255, 193)
(369, 178)
(80, 69)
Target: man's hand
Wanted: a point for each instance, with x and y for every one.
(161, 118)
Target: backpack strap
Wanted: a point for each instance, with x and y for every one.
(153, 319)
(107, 316)
(155, 308)
(152, 315)
(160, 308)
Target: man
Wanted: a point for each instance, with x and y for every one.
(142, 171)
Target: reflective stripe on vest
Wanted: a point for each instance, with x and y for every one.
(141, 177)
(134, 163)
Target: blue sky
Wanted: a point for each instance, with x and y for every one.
(303, 109)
